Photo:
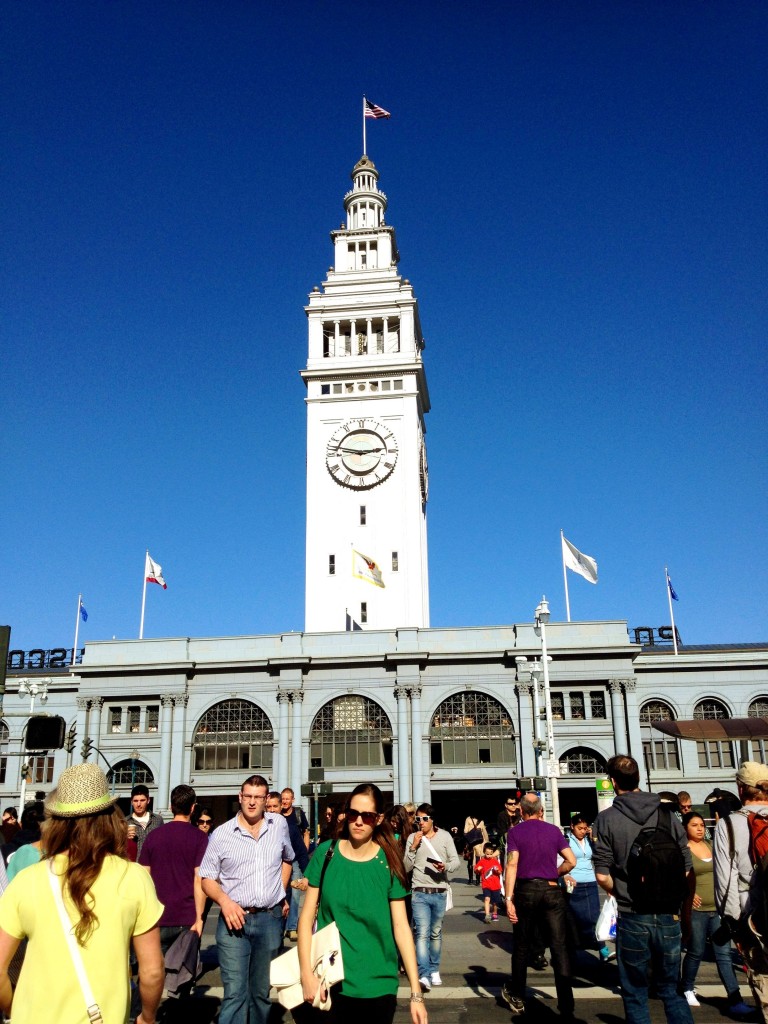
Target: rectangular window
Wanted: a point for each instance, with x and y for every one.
(363, 611)
(325, 389)
(363, 515)
(398, 385)
(557, 700)
(153, 717)
(395, 562)
(115, 719)
(41, 769)
(577, 705)
(337, 389)
(386, 385)
(331, 565)
(134, 714)
(597, 703)
(436, 753)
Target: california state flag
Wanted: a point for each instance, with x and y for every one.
(366, 569)
(154, 573)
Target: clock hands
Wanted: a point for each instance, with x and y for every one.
(361, 451)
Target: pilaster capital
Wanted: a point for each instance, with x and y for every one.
(630, 685)
(402, 692)
(97, 703)
(283, 696)
(614, 685)
(525, 688)
(297, 696)
(167, 699)
(415, 692)
(82, 703)
(181, 700)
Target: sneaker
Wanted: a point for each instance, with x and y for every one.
(494, 917)
(606, 954)
(516, 1006)
(436, 979)
(540, 963)
(425, 983)
(690, 998)
(741, 1010)
(487, 918)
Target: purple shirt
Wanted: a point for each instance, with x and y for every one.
(172, 853)
(538, 844)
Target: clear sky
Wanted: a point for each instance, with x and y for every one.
(579, 194)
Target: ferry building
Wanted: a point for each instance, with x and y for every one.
(370, 691)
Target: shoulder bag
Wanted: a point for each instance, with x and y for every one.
(92, 1007)
(327, 963)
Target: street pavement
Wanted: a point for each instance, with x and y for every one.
(475, 963)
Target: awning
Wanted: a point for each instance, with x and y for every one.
(715, 728)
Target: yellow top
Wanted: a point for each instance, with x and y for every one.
(126, 904)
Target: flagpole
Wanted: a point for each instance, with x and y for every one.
(143, 598)
(565, 579)
(77, 626)
(364, 146)
(671, 613)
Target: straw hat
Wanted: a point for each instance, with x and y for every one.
(82, 790)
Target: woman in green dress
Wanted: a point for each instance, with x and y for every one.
(364, 890)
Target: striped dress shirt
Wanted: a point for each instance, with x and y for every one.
(248, 868)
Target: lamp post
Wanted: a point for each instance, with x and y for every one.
(32, 688)
(135, 755)
(538, 744)
(541, 619)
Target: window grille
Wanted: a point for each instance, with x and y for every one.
(351, 731)
(473, 728)
(234, 734)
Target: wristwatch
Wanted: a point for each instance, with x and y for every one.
(509, 899)
(417, 997)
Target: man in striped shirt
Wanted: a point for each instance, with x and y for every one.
(246, 869)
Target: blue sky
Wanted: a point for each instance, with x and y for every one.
(579, 196)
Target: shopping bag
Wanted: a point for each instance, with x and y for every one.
(605, 928)
(327, 965)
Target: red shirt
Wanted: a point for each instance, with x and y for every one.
(489, 870)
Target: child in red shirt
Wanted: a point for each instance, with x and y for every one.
(489, 870)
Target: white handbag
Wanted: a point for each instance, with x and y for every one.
(326, 959)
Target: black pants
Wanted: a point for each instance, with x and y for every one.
(537, 900)
(347, 1010)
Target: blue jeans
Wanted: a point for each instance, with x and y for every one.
(294, 899)
(428, 913)
(650, 944)
(244, 959)
(703, 924)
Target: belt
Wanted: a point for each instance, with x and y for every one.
(547, 881)
(428, 888)
(258, 910)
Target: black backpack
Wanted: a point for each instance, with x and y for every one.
(656, 880)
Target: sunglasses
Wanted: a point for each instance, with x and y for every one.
(369, 817)
(511, 803)
(421, 817)
(204, 821)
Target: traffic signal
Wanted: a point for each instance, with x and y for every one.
(45, 732)
(69, 743)
(86, 748)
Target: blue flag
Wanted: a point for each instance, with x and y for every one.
(672, 593)
(83, 612)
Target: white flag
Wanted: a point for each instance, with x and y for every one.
(366, 569)
(582, 564)
(154, 573)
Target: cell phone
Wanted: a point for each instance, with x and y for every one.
(431, 860)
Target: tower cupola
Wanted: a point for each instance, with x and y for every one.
(364, 204)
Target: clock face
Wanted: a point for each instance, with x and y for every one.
(361, 453)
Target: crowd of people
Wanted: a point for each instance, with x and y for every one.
(86, 888)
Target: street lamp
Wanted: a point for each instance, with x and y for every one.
(538, 744)
(135, 755)
(541, 619)
(31, 688)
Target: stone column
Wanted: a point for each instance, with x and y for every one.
(403, 777)
(527, 737)
(617, 716)
(178, 773)
(297, 769)
(421, 788)
(82, 728)
(94, 722)
(280, 767)
(634, 737)
(166, 739)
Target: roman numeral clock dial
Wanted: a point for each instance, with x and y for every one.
(361, 453)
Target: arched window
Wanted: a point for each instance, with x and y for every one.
(234, 734)
(4, 736)
(472, 728)
(130, 772)
(351, 732)
(659, 751)
(758, 708)
(582, 761)
(713, 753)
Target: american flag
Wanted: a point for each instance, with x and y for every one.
(371, 110)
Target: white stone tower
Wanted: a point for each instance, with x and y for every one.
(366, 454)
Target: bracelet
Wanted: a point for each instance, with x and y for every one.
(417, 997)
(509, 899)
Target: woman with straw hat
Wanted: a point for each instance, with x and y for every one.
(106, 902)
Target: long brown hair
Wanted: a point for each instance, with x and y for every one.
(87, 841)
(382, 833)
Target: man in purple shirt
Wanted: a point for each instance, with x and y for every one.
(533, 893)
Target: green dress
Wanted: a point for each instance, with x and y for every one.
(356, 896)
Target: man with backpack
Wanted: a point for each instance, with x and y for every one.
(740, 852)
(641, 857)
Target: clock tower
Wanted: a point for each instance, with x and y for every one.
(366, 452)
